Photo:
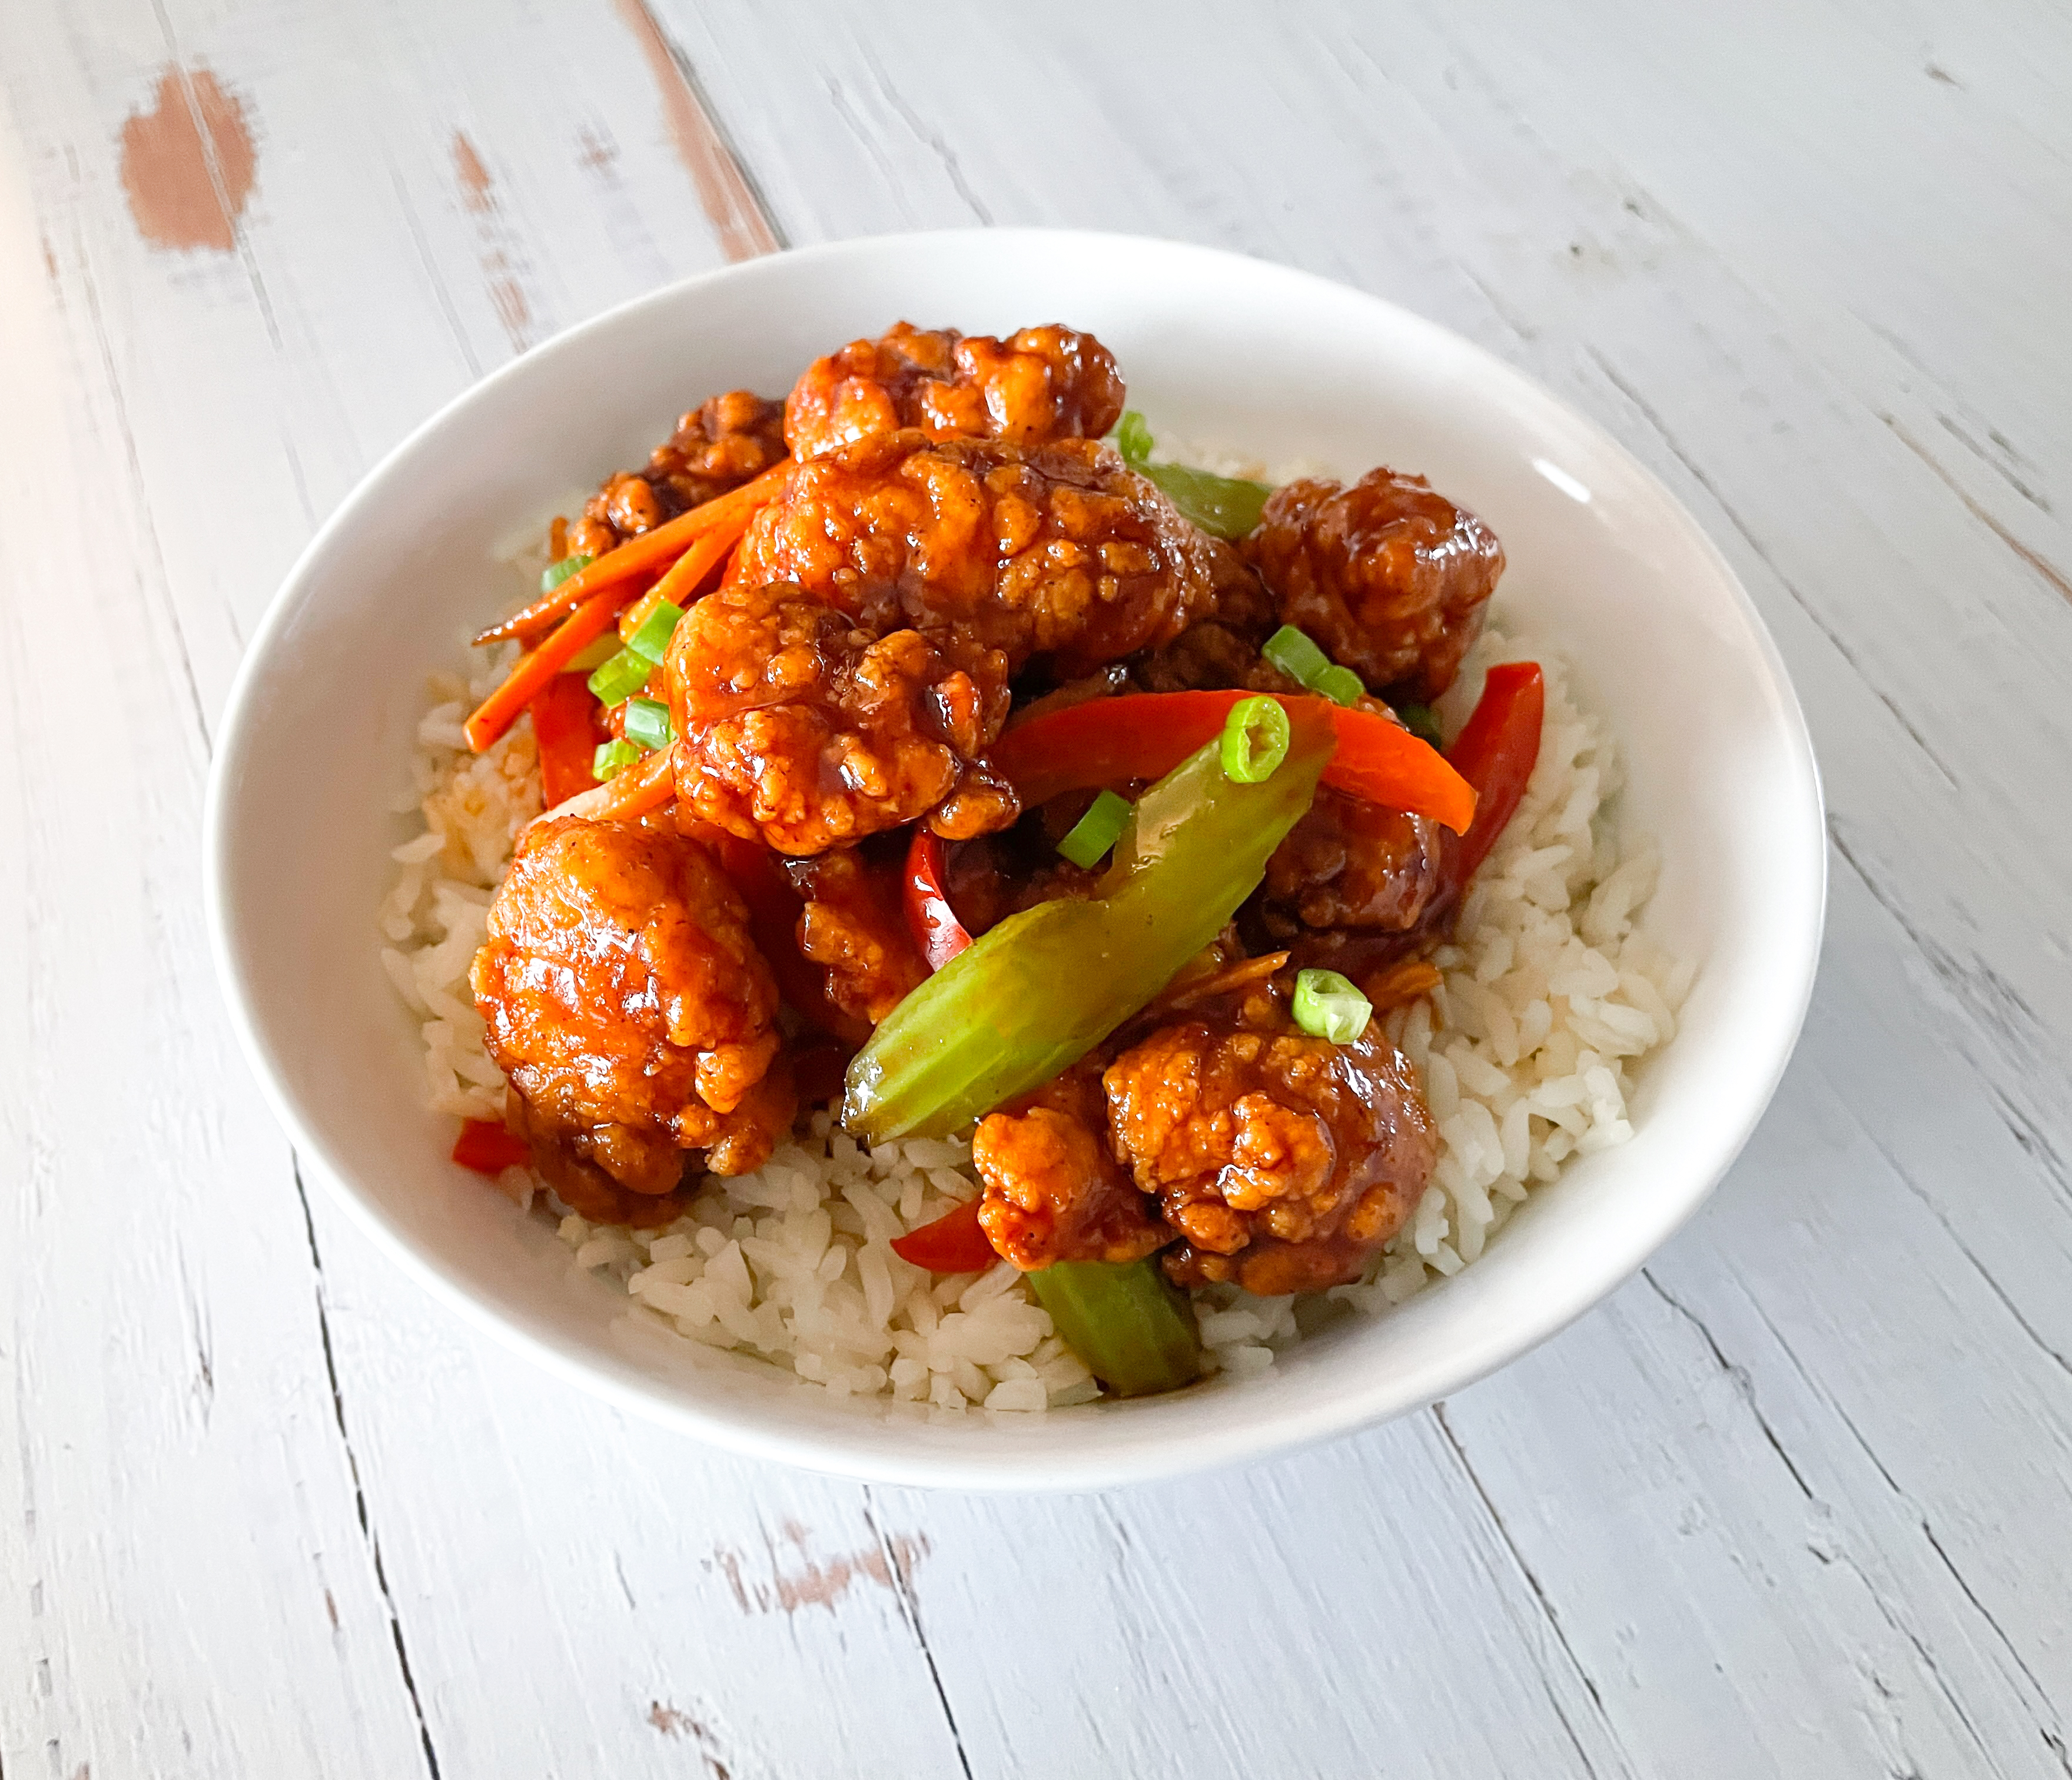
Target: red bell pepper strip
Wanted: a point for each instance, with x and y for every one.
(938, 934)
(564, 725)
(485, 1146)
(1495, 753)
(956, 1242)
(1145, 735)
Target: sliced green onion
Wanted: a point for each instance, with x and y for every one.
(653, 639)
(1419, 720)
(1296, 655)
(594, 655)
(557, 572)
(647, 722)
(621, 677)
(1340, 685)
(1328, 1006)
(1095, 832)
(1133, 439)
(1254, 740)
(612, 759)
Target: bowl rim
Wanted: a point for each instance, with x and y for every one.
(1240, 1440)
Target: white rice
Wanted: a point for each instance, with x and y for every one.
(1549, 998)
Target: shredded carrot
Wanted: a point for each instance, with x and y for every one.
(648, 550)
(646, 785)
(498, 712)
(687, 573)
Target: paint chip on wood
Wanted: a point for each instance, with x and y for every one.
(724, 194)
(188, 163)
(804, 1580)
(500, 259)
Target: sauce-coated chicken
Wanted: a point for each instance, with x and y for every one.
(802, 728)
(632, 1014)
(1284, 1161)
(729, 440)
(1056, 553)
(1041, 383)
(1388, 576)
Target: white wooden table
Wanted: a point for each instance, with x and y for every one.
(1798, 1501)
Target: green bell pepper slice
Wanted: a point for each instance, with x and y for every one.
(1040, 990)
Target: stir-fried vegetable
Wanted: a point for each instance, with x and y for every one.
(667, 543)
(1225, 507)
(485, 1146)
(1495, 752)
(1340, 685)
(1129, 1323)
(1047, 984)
(555, 573)
(592, 656)
(659, 624)
(1089, 839)
(498, 712)
(621, 677)
(564, 725)
(956, 1242)
(1297, 653)
(647, 722)
(612, 759)
(1420, 722)
(1140, 735)
(937, 931)
(1328, 1006)
(1254, 740)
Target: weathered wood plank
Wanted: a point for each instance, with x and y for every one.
(1789, 1506)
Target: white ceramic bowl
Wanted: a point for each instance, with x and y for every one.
(1220, 349)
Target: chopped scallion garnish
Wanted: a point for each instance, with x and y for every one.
(1133, 439)
(621, 677)
(1254, 740)
(1340, 685)
(557, 572)
(594, 655)
(1327, 1006)
(653, 639)
(1294, 653)
(1095, 832)
(647, 722)
(612, 759)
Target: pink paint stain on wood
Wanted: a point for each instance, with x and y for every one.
(188, 163)
(805, 1580)
(478, 193)
(724, 194)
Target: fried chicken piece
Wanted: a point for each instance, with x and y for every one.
(1053, 1190)
(1351, 864)
(1054, 552)
(1390, 578)
(729, 440)
(632, 1014)
(802, 728)
(1042, 383)
(1283, 1161)
(854, 928)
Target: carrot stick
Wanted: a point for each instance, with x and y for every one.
(687, 574)
(646, 785)
(648, 550)
(498, 712)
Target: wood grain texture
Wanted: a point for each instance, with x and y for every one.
(1793, 1504)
